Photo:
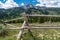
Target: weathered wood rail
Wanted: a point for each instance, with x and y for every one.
(34, 28)
(43, 15)
(14, 19)
(25, 25)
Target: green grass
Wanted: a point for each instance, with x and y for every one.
(8, 38)
(39, 34)
(11, 35)
(43, 34)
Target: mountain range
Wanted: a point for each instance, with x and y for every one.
(29, 9)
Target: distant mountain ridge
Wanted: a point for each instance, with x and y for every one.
(29, 9)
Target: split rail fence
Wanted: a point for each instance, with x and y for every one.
(25, 25)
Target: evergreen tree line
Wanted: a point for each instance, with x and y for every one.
(16, 12)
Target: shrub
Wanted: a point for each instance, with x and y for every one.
(3, 31)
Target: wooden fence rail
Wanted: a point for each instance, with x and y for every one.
(34, 28)
(43, 15)
(14, 19)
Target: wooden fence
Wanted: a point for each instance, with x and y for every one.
(25, 25)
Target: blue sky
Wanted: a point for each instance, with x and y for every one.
(3, 1)
(16, 3)
(34, 2)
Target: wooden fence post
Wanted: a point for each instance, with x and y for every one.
(26, 19)
(23, 26)
(21, 31)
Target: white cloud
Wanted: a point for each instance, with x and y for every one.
(39, 5)
(49, 3)
(8, 4)
(1, 4)
(22, 4)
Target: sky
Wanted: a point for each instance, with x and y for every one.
(17, 3)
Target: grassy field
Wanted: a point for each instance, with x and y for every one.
(38, 34)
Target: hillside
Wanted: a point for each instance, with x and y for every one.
(29, 9)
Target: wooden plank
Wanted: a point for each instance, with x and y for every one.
(34, 28)
(14, 19)
(42, 28)
(44, 15)
(10, 25)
